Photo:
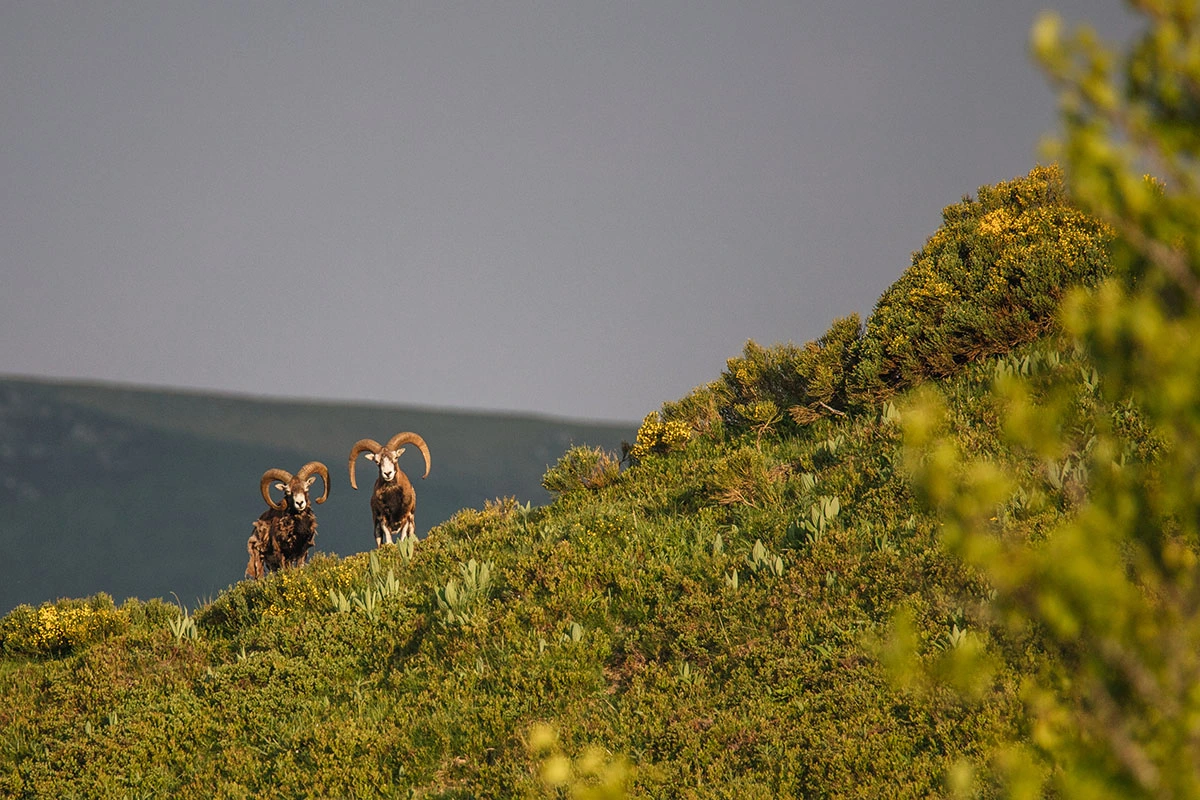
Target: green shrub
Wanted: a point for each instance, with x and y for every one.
(700, 409)
(808, 382)
(494, 512)
(744, 477)
(281, 594)
(1110, 589)
(581, 468)
(54, 629)
(658, 436)
(990, 278)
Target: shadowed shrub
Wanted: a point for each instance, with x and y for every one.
(581, 468)
(990, 278)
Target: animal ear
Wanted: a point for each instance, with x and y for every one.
(370, 456)
(281, 487)
(309, 482)
(399, 453)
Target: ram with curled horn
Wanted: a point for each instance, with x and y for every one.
(393, 501)
(287, 530)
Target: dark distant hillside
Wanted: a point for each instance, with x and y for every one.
(142, 493)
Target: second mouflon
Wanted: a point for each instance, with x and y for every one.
(393, 500)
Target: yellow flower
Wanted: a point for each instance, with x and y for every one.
(656, 436)
(996, 222)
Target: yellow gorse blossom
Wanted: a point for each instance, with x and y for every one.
(55, 628)
(1012, 236)
(657, 436)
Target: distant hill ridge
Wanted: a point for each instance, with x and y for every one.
(95, 478)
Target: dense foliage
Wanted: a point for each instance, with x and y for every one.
(1114, 590)
(990, 278)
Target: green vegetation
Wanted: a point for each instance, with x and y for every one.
(950, 552)
(581, 468)
(990, 279)
(1113, 590)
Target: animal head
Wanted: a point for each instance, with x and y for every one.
(387, 457)
(294, 487)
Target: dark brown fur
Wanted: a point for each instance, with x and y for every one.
(284, 533)
(281, 538)
(393, 503)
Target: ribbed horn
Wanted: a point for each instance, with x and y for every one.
(360, 446)
(264, 486)
(411, 438)
(320, 469)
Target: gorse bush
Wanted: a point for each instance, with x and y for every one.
(745, 476)
(283, 594)
(56, 629)
(992, 277)
(805, 382)
(989, 279)
(581, 468)
(658, 435)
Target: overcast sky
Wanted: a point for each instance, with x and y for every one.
(579, 209)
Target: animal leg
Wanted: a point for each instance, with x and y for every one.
(408, 526)
(382, 533)
(254, 568)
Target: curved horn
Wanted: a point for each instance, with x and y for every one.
(264, 485)
(360, 446)
(411, 438)
(320, 469)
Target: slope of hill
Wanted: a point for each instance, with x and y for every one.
(141, 493)
(717, 620)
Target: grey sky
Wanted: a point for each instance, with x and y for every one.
(579, 209)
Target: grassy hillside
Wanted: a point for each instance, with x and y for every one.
(717, 619)
(141, 493)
